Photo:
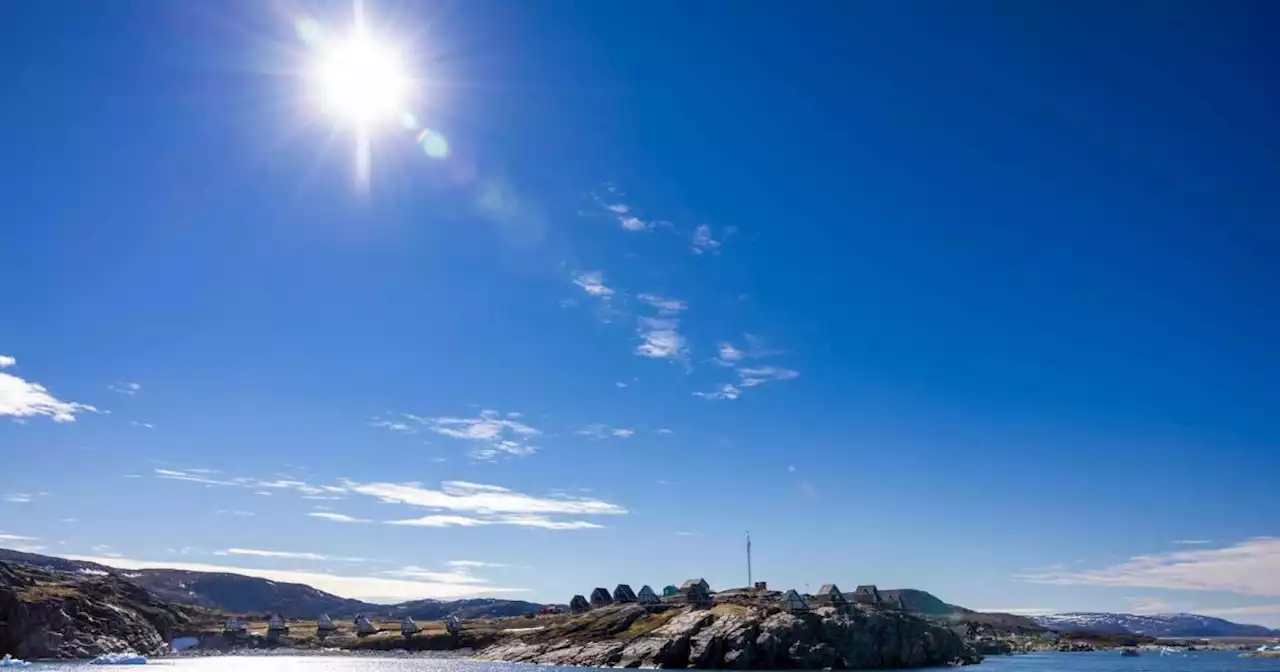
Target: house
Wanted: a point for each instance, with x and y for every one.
(696, 591)
(600, 597)
(364, 626)
(234, 627)
(670, 591)
(452, 624)
(277, 624)
(324, 625)
(647, 596)
(792, 603)
(408, 626)
(706, 588)
(761, 585)
(829, 594)
(867, 595)
(623, 593)
(579, 605)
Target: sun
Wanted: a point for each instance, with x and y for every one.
(362, 80)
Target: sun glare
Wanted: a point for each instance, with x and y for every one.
(362, 81)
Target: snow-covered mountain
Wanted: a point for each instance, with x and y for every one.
(1153, 625)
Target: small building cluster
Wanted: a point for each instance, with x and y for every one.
(829, 595)
(693, 591)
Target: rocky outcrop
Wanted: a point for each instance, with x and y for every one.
(736, 637)
(51, 614)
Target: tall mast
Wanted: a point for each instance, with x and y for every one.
(750, 583)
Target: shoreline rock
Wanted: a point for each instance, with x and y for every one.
(739, 638)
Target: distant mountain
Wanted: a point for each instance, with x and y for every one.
(1155, 625)
(919, 602)
(240, 594)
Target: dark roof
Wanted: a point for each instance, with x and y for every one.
(828, 589)
(601, 596)
(623, 593)
(688, 585)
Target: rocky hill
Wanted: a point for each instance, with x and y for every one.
(731, 636)
(1155, 625)
(53, 614)
(235, 593)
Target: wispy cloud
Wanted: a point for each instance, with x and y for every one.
(357, 587)
(493, 434)
(474, 563)
(664, 305)
(454, 504)
(337, 517)
(592, 282)
(703, 243)
(597, 431)
(476, 497)
(288, 555)
(749, 374)
(1192, 542)
(4, 536)
(144, 425)
(723, 391)
(393, 426)
(22, 399)
(125, 388)
(421, 574)
(660, 339)
(690, 534)
(543, 522)
(18, 498)
(1250, 567)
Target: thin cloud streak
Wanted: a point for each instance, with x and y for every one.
(1250, 567)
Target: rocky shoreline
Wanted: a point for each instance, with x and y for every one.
(734, 637)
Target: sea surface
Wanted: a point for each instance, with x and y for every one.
(1102, 661)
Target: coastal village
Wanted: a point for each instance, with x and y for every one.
(695, 592)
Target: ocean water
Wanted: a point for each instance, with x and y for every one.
(1102, 661)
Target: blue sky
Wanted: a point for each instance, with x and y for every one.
(973, 298)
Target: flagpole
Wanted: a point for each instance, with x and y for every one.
(750, 584)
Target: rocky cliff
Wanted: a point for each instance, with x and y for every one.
(735, 637)
(50, 614)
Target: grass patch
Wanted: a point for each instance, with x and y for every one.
(47, 591)
(646, 625)
(728, 609)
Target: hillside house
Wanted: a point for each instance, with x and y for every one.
(600, 597)
(623, 593)
(324, 624)
(364, 626)
(696, 592)
(408, 626)
(234, 627)
(277, 624)
(452, 625)
(647, 596)
(579, 604)
(867, 595)
(829, 594)
(670, 591)
(793, 603)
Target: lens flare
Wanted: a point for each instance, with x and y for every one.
(433, 144)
